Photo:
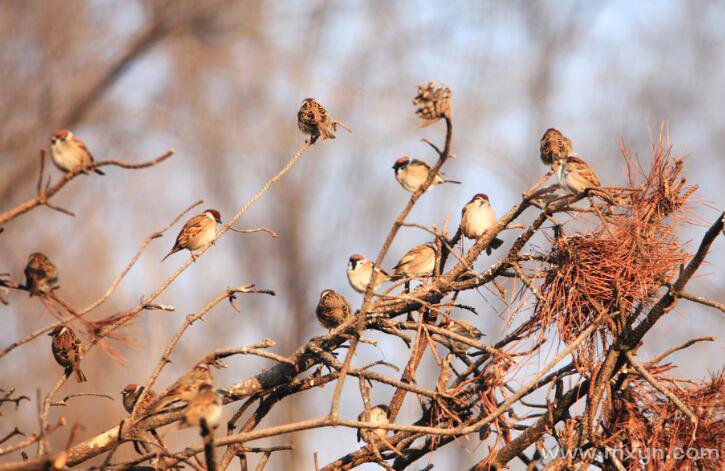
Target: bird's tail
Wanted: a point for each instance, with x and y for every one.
(326, 132)
(80, 377)
(336, 123)
(495, 243)
(99, 172)
(172, 251)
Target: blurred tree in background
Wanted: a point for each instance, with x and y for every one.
(220, 81)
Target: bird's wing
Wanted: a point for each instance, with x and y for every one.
(585, 170)
(191, 230)
(83, 147)
(411, 255)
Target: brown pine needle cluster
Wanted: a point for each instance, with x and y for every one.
(432, 102)
(620, 265)
(648, 424)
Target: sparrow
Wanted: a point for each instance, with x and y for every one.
(313, 119)
(462, 328)
(377, 415)
(332, 309)
(185, 388)
(130, 395)
(419, 262)
(477, 217)
(554, 146)
(197, 233)
(575, 175)
(411, 174)
(67, 350)
(69, 153)
(359, 272)
(206, 406)
(41, 276)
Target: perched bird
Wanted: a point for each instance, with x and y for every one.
(575, 175)
(418, 262)
(554, 146)
(313, 119)
(359, 272)
(69, 153)
(377, 415)
(131, 394)
(477, 217)
(41, 276)
(332, 309)
(411, 174)
(185, 388)
(206, 405)
(67, 350)
(197, 233)
(462, 328)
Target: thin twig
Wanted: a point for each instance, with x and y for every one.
(655, 384)
(257, 229)
(677, 348)
(43, 196)
(702, 300)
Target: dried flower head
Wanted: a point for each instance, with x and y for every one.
(432, 102)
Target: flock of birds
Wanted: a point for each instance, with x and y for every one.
(194, 391)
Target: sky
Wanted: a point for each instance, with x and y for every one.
(226, 102)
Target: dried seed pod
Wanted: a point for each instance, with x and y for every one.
(432, 103)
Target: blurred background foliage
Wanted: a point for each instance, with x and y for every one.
(220, 81)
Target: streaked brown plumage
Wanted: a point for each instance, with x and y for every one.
(411, 174)
(464, 328)
(130, 395)
(332, 309)
(69, 153)
(185, 388)
(377, 415)
(313, 119)
(418, 262)
(41, 276)
(359, 272)
(67, 350)
(575, 175)
(554, 146)
(205, 405)
(197, 233)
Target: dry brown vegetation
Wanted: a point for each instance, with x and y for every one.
(613, 269)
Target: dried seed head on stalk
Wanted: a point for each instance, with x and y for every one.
(432, 103)
(622, 262)
(645, 421)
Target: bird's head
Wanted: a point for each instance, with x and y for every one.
(62, 135)
(354, 260)
(57, 331)
(401, 163)
(214, 215)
